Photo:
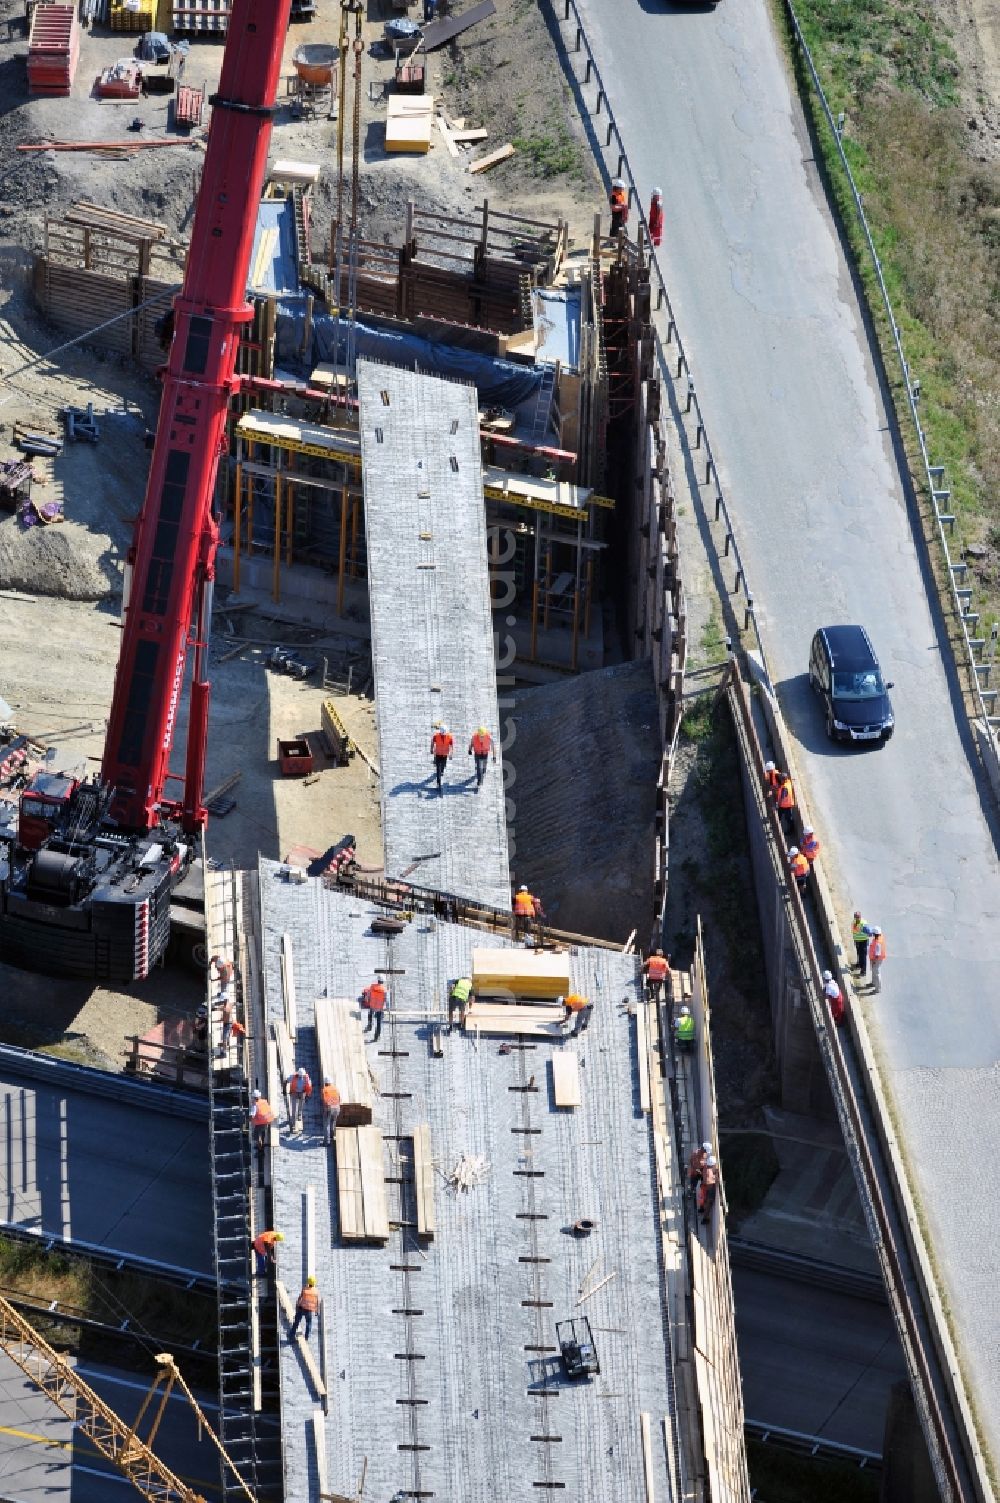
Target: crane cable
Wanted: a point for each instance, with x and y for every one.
(359, 48)
(342, 86)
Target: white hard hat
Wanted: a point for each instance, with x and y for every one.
(710, 1159)
(707, 1147)
(523, 887)
(827, 975)
(617, 182)
(793, 850)
(327, 1080)
(808, 830)
(769, 767)
(685, 1012)
(301, 1070)
(443, 729)
(876, 929)
(256, 1095)
(657, 192)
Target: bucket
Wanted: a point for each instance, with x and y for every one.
(314, 62)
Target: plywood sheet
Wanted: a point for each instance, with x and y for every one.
(525, 973)
(566, 1077)
(423, 1174)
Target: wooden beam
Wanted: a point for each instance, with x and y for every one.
(286, 1059)
(309, 1221)
(288, 984)
(319, 1441)
(423, 1175)
(642, 1056)
(446, 135)
(342, 1058)
(647, 1458)
(469, 135)
(500, 155)
(376, 1214)
(350, 1201)
(566, 1077)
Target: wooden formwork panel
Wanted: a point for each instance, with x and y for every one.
(342, 1058)
(423, 1176)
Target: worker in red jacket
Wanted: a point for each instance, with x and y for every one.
(656, 217)
(810, 845)
(657, 970)
(373, 997)
(708, 1188)
(442, 746)
(834, 997)
(619, 206)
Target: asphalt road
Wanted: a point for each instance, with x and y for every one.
(766, 307)
(105, 1174)
(43, 1460)
(814, 1361)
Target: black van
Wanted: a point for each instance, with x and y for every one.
(844, 672)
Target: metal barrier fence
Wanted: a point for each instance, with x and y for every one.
(983, 696)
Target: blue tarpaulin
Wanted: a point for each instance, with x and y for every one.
(499, 383)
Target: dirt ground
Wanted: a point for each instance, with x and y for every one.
(975, 35)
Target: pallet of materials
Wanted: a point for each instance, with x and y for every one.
(200, 15)
(538, 1021)
(361, 1202)
(53, 49)
(342, 1059)
(520, 973)
(408, 123)
(189, 106)
(132, 15)
(122, 80)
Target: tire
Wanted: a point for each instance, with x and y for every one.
(829, 727)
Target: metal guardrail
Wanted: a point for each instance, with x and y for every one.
(676, 368)
(63, 1073)
(961, 597)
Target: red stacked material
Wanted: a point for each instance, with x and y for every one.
(53, 49)
(189, 105)
(123, 80)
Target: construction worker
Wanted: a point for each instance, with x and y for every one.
(696, 1166)
(224, 970)
(480, 747)
(579, 1008)
(201, 1028)
(458, 1000)
(299, 1087)
(784, 798)
(707, 1188)
(373, 997)
(330, 1097)
(261, 1118)
(656, 217)
(684, 1030)
(657, 970)
(619, 206)
(228, 1020)
(524, 912)
(265, 1245)
(810, 845)
(799, 867)
(876, 954)
(772, 777)
(305, 1308)
(442, 746)
(861, 934)
(834, 997)
(538, 913)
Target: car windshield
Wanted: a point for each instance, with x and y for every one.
(866, 685)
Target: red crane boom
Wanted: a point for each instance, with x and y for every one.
(172, 558)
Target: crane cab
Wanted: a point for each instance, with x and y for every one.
(43, 805)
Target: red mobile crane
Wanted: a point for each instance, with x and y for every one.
(87, 892)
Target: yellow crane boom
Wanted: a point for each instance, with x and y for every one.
(114, 1440)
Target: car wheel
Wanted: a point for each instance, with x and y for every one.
(812, 681)
(829, 727)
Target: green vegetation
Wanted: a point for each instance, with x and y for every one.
(935, 217)
(781, 1477)
(552, 154)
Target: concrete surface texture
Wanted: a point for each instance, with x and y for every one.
(44, 1459)
(766, 306)
(815, 1361)
(432, 631)
(589, 744)
(494, 1416)
(115, 1176)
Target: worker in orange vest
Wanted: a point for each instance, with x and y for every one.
(799, 867)
(876, 954)
(657, 970)
(442, 746)
(696, 1166)
(707, 1188)
(480, 747)
(260, 1119)
(810, 845)
(331, 1111)
(305, 1308)
(524, 912)
(619, 206)
(577, 1007)
(299, 1088)
(834, 997)
(656, 216)
(373, 997)
(785, 800)
(265, 1245)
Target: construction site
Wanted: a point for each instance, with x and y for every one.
(347, 805)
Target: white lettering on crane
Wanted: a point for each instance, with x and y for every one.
(168, 729)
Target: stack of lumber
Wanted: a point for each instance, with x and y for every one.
(361, 1185)
(409, 121)
(505, 1017)
(566, 1077)
(423, 1180)
(520, 973)
(132, 15)
(53, 49)
(342, 1059)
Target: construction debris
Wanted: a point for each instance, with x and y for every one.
(436, 33)
(471, 1170)
(483, 164)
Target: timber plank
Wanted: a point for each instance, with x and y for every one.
(350, 1197)
(566, 1077)
(483, 164)
(342, 1058)
(376, 1214)
(423, 1173)
(642, 1056)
